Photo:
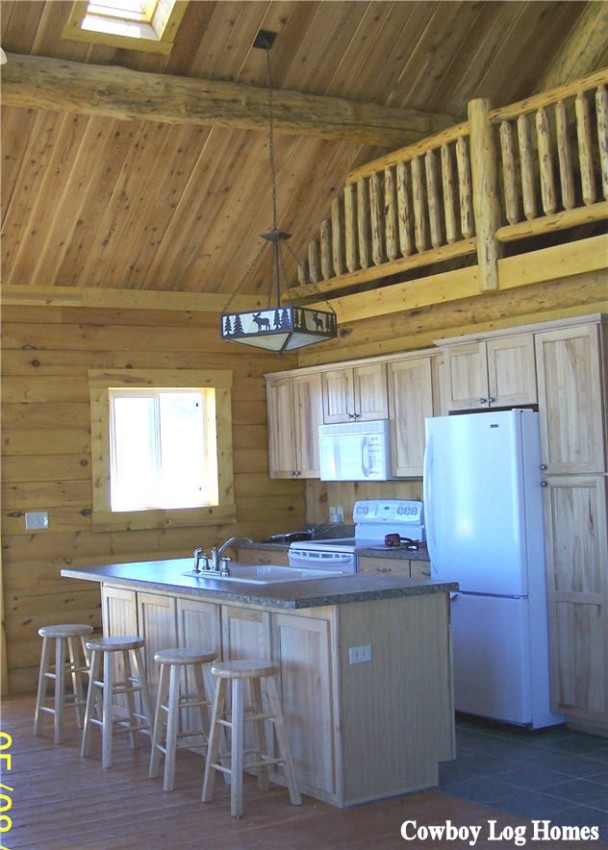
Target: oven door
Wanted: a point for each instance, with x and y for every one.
(322, 558)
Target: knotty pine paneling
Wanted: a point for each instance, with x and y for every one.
(46, 456)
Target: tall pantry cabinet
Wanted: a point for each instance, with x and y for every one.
(572, 376)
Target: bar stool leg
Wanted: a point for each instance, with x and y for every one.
(59, 688)
(259, 733)
(140, 672)
(219, 703)
(128, 677)
(76, 669)
(93, 702)
(106, 728)
(42, 684)
(172, 729)
(238, 712)
(163, 692)
(200, 686)
(284, 749)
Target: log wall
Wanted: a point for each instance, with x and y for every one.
(46, 456)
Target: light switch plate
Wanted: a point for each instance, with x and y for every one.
(35, 520)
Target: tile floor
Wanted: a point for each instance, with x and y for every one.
(558, 773)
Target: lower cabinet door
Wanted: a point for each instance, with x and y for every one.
(302, 647)
(576, 530)
(158, 627)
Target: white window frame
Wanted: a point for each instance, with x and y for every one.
(100, 383)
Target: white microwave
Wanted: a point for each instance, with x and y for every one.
(356, 451)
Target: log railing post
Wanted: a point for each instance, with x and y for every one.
(485, 191)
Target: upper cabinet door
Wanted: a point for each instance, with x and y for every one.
(294, 416)
(497, 372)
(338, 396)
(371, 396)
(281, 428)
(308, 417)
(466, 376)
(572, 415)
(355, 394)
(511, 371)
(411, 402)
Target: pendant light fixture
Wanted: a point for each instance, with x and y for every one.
(283, 327)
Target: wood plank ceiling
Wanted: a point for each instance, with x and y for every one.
(159, 203)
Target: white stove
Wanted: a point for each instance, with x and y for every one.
(374, 519)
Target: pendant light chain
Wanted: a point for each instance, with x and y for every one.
(271, 151)
(278, 328)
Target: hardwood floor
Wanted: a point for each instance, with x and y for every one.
(63, 802)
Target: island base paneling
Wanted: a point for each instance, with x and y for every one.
(358, 731)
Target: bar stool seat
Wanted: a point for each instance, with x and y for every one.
(100, 711)
(258, 674)
(173, 697)
(68, 636)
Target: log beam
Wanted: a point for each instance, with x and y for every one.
(40, 82)
(583, 50)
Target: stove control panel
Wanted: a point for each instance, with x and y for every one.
(395, 512)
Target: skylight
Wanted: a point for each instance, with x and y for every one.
(135, 24)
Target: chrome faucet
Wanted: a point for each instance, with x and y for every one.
(200, 555)
(230, 542)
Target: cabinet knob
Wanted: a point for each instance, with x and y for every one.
(544, 484)
(483, 401)
(543, 466)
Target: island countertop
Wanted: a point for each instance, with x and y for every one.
(168, 576)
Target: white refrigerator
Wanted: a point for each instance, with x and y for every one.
(484, 528)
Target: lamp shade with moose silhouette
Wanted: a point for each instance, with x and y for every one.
(280, 328)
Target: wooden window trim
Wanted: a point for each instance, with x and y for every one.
(154, 37)
(100, 381)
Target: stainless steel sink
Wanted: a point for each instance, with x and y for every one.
(259, 574)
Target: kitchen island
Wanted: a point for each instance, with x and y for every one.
(365, 663)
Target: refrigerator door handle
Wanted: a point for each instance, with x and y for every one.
(427, 495)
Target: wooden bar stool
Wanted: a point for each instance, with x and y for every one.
(128, 650)
(238, 673)
(174, 667)
(70, 636)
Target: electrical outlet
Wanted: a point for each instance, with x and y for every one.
(359, 654)
(336, 513)
(35, 520)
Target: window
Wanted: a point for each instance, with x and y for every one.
(162, 447)
(135, 24)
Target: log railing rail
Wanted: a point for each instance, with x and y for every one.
(505, 174)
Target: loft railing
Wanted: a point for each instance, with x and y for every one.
(505, 174)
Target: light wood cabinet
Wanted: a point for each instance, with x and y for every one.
(119, 618)
(302, 648)
(384, 566)
(490, 373)
(355, 393)
(577, 585)
(410, 568)
(294, 415)
(157, 624)
(410, 383)
(198, 625)
(118, 611)
(245, 633)
(572, 399)
(358, 730)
